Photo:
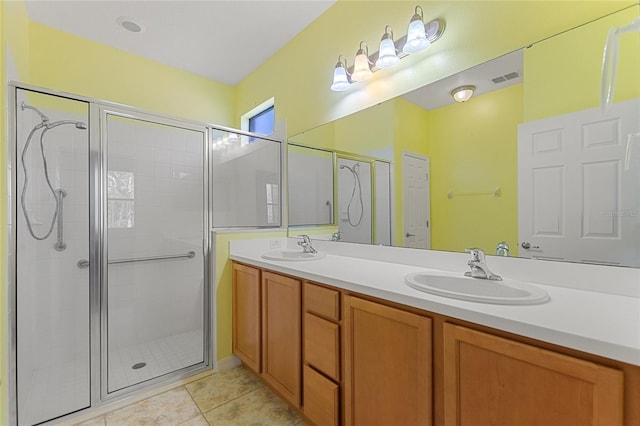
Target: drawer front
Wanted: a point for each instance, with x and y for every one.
(322, 345)
(321, 399)
(322, 301)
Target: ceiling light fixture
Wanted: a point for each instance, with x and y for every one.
(388, 55)
(419, 37)
(129, 24)
(463, 93)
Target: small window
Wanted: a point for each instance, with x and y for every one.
(120, 199)
(263, 122)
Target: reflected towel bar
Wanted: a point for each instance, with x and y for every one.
(189, 255)
(496, 193)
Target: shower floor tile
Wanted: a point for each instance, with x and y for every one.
(160, 356)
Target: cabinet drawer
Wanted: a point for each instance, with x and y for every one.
(320, 398)
(322, 301)
(322, 345)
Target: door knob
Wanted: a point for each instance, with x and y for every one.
(83, 263)
(409, 235)
(527, 245)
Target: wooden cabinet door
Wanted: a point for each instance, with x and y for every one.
(246, 315)
(281, 339)
(490, 380)
(387, 375)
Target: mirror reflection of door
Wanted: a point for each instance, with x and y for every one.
(574, 166)
(416, 201)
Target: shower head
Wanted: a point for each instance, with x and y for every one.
(43, 117)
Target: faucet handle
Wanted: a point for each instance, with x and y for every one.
(477, 255)
(305, 239)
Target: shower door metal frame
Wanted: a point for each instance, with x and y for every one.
(101, 186)
(97, 252)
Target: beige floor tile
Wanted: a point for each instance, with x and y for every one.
(260, 407)
(169, 408)
(219, 388)
(98, 421)
(196, 421)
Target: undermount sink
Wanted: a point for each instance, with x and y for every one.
(505, 292)
(292, 255)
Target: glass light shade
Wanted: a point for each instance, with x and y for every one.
(463, 93)
(340, 80)
(361, 69)
(416, 37)
(387, 54)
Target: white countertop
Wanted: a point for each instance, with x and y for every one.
(591, 321)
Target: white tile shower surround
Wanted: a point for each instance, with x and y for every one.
(66, 387)
(53, 293)
(162, 356)
(52, 391)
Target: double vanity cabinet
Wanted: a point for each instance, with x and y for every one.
(344, 358)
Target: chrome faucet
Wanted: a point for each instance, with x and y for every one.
(335, 236)
(502, 249)
(479, 268)
(306, 245)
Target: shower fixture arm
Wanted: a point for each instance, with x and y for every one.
(58, 194)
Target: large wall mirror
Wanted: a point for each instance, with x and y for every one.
(530, 166)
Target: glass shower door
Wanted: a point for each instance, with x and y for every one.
(155, 225)
(52, 235)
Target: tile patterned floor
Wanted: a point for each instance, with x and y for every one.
(231, 398)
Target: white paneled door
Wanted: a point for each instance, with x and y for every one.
(416, 201)
(579, 186)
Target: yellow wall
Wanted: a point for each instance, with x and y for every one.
(567, 69)
(473, 148)
(74, 64)
(299, 74)
(224, 291)
(367, 131)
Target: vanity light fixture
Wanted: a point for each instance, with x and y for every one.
(388, 55)
(419, 37)
(416, 34)
(340, 77)
(362, 66)
(463, 93)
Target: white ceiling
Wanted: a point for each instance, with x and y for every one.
(438, 94)
(221, 40)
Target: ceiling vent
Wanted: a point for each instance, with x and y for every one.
(505, 77)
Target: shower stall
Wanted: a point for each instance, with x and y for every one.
(108, 252)
(363, 199)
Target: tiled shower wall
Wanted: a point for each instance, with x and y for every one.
(163, 200)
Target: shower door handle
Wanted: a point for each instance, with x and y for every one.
(83, 263)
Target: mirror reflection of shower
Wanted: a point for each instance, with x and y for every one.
(357, 187)
(58, 194)
(354, 200)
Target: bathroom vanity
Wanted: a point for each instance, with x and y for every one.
(345, 341)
